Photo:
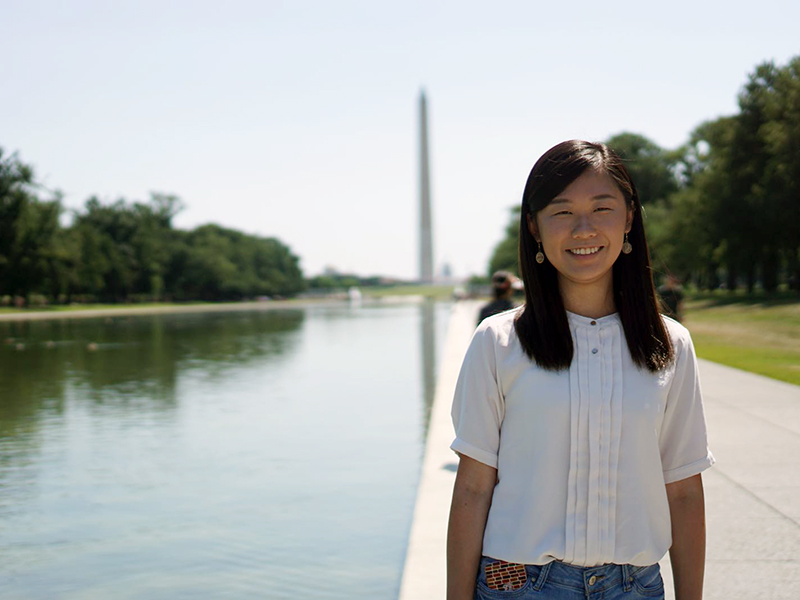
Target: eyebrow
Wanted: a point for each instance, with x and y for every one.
(598, 197)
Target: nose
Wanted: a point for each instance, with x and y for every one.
(583, 228)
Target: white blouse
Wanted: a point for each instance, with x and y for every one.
(582, 455)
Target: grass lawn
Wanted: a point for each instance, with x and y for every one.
(439, 292)
(144, 306)
(72, 307)
(754, 333)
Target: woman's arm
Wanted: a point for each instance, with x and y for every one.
(472, 496)
(688, 552)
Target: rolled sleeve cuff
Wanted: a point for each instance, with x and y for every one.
(689, 470)
(467, 449)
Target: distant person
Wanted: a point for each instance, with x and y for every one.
(671, 294)
(502, 289)
(579, 417)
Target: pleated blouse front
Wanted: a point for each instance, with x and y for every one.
(595, 393)
(582, 454)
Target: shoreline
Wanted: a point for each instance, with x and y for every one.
(256, 305)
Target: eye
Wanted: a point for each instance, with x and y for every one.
(561, 212)
(603, 209)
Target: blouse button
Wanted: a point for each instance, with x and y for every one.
(593, 323)
(594, 350)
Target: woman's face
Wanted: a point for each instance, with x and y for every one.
(582, 230)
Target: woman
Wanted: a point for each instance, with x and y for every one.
(578, 416)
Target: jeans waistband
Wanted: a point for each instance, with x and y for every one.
(588, 579)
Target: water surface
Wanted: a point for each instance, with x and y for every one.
(270, 454)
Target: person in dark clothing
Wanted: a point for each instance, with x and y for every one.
(502, 289)
(671, 295)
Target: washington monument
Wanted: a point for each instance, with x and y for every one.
(425, 230)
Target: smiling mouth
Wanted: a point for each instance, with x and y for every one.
(585, 251)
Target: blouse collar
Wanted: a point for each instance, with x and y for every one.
(581, 321)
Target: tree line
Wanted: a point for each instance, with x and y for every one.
(722, 210)
(127, 251)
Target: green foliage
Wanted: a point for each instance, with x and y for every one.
(123, 251)
(747, 184)
(506, 254)
(27, 230)
(479, 280)
(340, 282)
(220, 263)
(652, 168)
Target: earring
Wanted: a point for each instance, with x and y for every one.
(540, 254)
(626, 246)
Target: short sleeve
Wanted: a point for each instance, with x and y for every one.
(477, 405)
(683, 441)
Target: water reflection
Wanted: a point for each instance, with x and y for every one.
(127, 357)
(126, 366)
(215, 455)
(427, 336)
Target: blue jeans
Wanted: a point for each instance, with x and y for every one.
(560, 581)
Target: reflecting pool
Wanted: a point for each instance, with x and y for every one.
(264, 454)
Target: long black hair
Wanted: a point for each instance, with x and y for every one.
(542, 326)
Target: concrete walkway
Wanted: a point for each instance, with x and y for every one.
(752, 493)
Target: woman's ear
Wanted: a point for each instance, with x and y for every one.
(532, 228)
(629, 219)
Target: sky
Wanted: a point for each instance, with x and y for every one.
(298, 120)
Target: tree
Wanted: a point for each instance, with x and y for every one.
(752, 182)
(219, 263)
(774, 95)
(651, 167)
(688, 229)
(63, 277)
(122, 251)
(506, 254)
(152, 240)
(108, 232)
(27, 229)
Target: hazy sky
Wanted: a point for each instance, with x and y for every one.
(299, 119)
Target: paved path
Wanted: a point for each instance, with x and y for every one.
(752, 492)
